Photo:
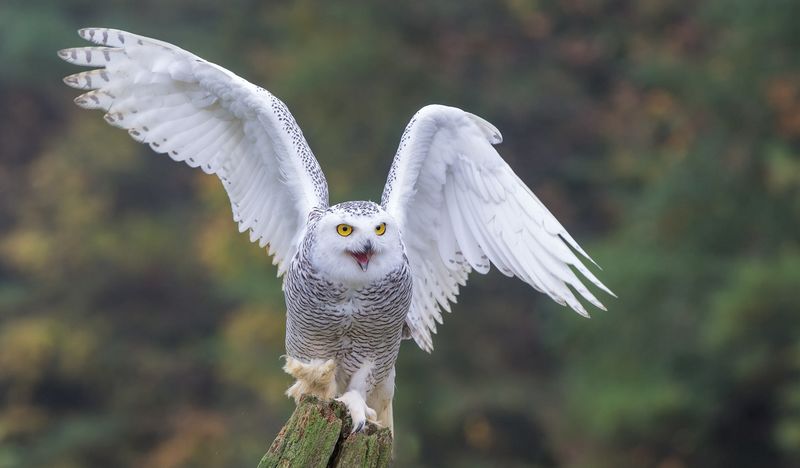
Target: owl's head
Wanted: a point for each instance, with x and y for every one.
(356, 243)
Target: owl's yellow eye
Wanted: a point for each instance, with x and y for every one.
(380, 229)
(344, 230)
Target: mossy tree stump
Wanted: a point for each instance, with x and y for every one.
(318, 435)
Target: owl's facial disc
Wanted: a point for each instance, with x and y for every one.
(356, 244)
(362, 256)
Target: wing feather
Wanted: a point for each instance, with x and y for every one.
(201, 114)
(461, 207)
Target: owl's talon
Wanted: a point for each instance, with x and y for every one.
(360, 427)
(358, 409)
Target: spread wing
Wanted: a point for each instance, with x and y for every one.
(201, 114)
(461, 207)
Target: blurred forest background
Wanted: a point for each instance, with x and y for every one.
(139, 328)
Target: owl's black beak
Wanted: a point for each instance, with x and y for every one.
(362, 256)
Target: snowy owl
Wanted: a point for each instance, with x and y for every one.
(358, 276)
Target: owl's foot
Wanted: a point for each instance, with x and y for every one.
(358, 409)
(316, 377)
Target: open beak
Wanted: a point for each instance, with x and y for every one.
(362, 257)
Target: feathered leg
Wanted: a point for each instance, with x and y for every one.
(381, 399)
(318, 378)
(355, 398)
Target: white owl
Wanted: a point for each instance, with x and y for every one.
(359, 277)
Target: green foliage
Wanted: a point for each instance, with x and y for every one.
(138, 328)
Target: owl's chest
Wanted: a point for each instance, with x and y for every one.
(346, 308)
(377, 308)
(328, 319)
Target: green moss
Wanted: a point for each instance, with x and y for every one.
(318, 435)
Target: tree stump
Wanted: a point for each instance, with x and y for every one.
(318, 435)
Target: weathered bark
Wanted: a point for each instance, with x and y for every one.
(318, 435)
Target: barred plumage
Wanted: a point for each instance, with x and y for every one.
(326, 319)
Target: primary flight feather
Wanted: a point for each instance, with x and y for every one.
(358, 276)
